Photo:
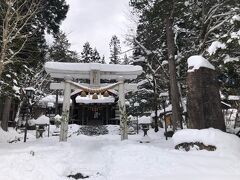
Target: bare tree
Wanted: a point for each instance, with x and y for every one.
(16, 15)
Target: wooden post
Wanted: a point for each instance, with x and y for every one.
(65, 113)
(122, 108)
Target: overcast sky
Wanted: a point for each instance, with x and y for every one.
(96, 21)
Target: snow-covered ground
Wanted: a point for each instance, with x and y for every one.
(105, 157)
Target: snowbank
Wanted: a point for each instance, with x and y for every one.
(9, 136)
(224, 142)
(196, 62)
(113, 129)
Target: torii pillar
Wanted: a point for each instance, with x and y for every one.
(65, 110)
(122, 108)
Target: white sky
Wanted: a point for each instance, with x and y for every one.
(96, 21)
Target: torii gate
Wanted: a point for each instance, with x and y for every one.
(95, 72)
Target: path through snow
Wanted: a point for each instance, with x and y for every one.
(107, 158)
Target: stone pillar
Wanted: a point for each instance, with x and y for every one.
(122, 109)
(65, 113)
(203, 99)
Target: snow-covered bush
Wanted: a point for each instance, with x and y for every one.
(10, 136)
(224, 142)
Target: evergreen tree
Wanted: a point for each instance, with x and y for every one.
(95, 56)
(115, 50)
(60, 52)
(89, 55)
(154, 45)
(86, 54)
(103, 60)
(26, 47)
(198, 26)
(126, 60)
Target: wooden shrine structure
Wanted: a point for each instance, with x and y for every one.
(93, 74)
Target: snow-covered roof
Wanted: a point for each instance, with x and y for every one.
(50, 104)
(51, 98)
(101, 99)
(144, 120)
(233, 98)
(196, 62)
(82, 70)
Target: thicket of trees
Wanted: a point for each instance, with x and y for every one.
(170, 31)
(23, 46)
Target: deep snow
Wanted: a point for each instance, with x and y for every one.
(107, 158)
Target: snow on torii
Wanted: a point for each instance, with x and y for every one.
(95, 72)
(83, 70)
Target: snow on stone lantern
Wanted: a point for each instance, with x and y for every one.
(144, 123)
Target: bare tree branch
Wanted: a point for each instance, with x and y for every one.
(16, 16)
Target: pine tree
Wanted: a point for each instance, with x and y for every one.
(115, 50)
(126, 60)
(95, 56)
(103, 60)
(60, 52)
(86, 54)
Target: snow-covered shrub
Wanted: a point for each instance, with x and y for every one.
(209, 138)
(93, 130)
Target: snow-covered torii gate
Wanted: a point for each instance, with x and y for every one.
(95, 72)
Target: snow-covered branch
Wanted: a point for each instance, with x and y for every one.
(16, 16)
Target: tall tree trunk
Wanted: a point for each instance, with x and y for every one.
(175, 99)
(155, 106)
(1, 68)
(6, 112)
